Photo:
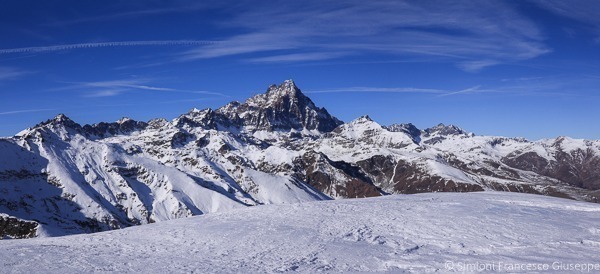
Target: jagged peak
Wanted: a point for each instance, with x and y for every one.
(287, 88)
(196, 111)
(158, 120)
(408, 128)
(196, 118)
(193, 114)
(157, 123)
(568, 143)
(360, 124)
(58, 124)
(362, 119)
(60, 119)
(442, 129)
(276, 94)
(281, 107)
(229, 108)
(401, 127)
(124, 120)
(233, 104)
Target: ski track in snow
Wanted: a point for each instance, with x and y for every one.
(414, 233)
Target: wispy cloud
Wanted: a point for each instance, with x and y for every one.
(474, 66)
(472, 34)
(8, 73)
(583, 11)
(131, 11)
(556, 85)
(240, 44)
(522, 79)
(105, 44)
(377, 90)
(464, 91)
(25, 111)
(298, 57)
(564, 85)
(438, 92)
(116, 87)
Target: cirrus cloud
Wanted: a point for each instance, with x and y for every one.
(471, 34)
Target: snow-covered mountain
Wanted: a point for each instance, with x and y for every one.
(422, 233)
(59, 177)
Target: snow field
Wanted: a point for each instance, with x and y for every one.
(415, 233)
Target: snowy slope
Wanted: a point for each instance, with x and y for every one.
(416, 233)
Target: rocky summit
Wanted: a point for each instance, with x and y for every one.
(60, 178)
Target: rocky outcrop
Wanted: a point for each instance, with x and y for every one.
(334, 178)
(14, 228)
(123, 126)
(408, 129)
(444, 130)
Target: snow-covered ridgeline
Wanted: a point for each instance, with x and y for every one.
(276, 147)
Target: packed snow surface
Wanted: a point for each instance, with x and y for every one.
(415, 233)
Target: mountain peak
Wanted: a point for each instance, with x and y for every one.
(60, 123)
(363, 119)
(445, 130)
(287, 88)
(124, 120)
(408, 129)
(61, 119)
(361, 124)
(282, 107)
(197, 118)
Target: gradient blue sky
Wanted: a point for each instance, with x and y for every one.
(511, 68)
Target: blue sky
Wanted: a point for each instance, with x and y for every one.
(511, 68)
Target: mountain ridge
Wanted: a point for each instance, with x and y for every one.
(276, 147)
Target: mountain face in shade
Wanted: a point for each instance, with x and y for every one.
(59, 177)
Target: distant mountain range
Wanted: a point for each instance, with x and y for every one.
(60, 178)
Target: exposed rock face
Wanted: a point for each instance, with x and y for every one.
(409, 129)
(282, 107)
(276, 147)
(334, 178)
(444, 130)
(123, 126)
(404, 177)
(578, 167)
(198, 118)
(13, 228)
